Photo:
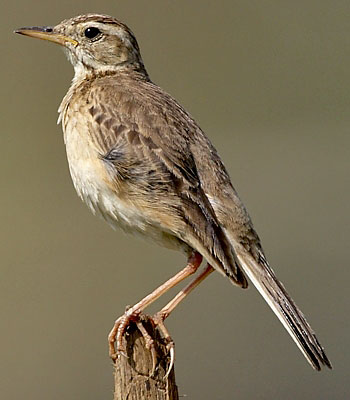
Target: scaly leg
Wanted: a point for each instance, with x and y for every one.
(166, 310)
(159, 318)
(133, 313)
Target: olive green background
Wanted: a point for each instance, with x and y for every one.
(269, 83)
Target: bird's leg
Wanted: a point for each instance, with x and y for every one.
(133, 313)
(159, 318)
(166, 310)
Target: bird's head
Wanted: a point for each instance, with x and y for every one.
(94, 43)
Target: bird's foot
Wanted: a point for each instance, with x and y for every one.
(158, 321)
(116, 342)
(115, 337)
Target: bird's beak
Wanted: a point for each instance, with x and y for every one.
(46, 33)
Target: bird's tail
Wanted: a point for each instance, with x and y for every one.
(276, 296)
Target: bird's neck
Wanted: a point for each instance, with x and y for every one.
(83, 78)
(83, 73)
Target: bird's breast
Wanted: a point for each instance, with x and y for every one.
(90, 180)
(93, 185)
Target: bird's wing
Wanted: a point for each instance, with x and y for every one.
(146, 146)
(238, 227)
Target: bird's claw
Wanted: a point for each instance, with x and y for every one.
(172, 360)
(149, 342)
(158, 321)
(116, 337)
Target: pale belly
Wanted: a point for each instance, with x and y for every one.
(89, 178)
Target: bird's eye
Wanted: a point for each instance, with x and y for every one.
(92, 32)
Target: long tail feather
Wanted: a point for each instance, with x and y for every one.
(276, 296)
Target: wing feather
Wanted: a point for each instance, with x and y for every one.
(136, 140)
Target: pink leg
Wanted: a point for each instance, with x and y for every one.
(166, 310)
(159, 318)
(133, 313)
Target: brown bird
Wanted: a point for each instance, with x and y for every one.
(140, 161)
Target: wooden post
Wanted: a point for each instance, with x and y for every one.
(133, 380)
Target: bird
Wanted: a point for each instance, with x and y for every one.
(141, 162)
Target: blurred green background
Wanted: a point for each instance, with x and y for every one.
(269, 83)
